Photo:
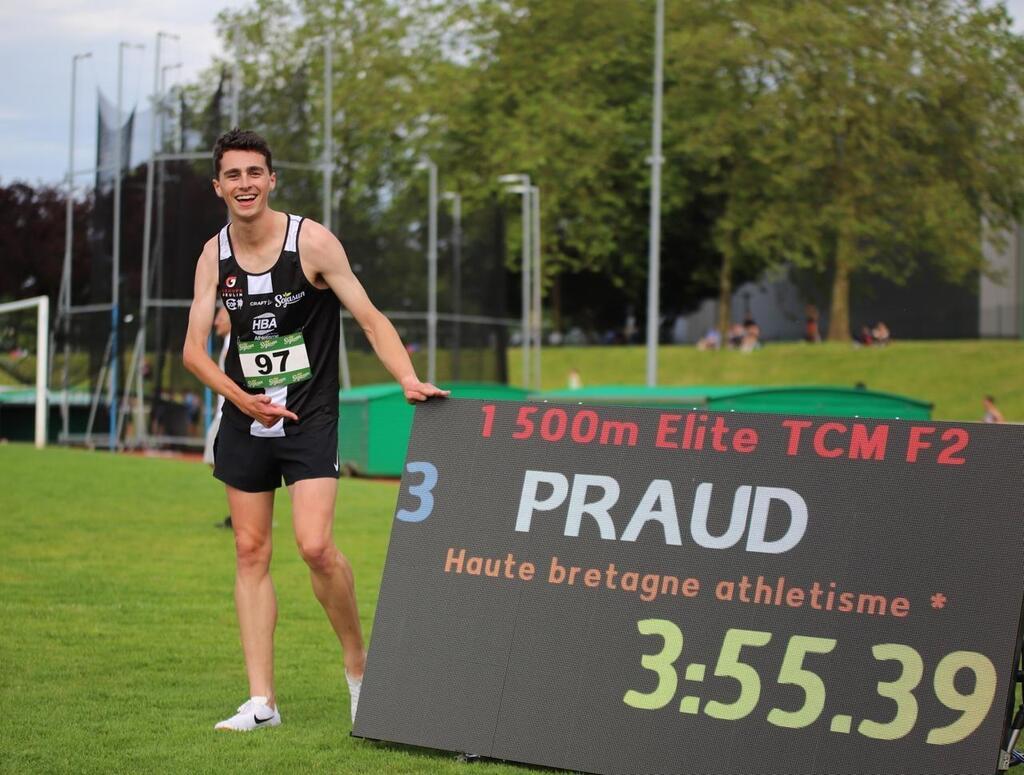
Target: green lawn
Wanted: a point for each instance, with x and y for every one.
(120, 650)
(954, 375)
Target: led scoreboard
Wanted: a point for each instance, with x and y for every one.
(624, 590)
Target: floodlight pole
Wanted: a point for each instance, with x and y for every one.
(456, 200)
(115, 271)
(537, 310)
(158, 97)
(654, 248)
(522, 186)
(64, 298)
(69, 224)
(328, 159)
(147, 233)
(176, 144)
(427, 163)
(236, 81)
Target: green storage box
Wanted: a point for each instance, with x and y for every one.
(375, 422)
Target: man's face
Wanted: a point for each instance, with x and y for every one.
(244, 183)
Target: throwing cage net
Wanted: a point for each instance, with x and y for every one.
(118, 348)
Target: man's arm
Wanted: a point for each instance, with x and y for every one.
(323, 254)
(198, 361)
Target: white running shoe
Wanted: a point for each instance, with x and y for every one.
(355, 685)
(252, 714)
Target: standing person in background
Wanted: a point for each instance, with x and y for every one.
(283, 279)
(992, 413)
(222, 328)
(812, 332)
(574, 381)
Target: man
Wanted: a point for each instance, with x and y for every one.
(281, 278)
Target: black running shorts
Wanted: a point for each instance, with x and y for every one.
(257, 464)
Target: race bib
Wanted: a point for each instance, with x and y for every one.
(269, 363)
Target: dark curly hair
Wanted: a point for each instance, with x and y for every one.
(240, 140)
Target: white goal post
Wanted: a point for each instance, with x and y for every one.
(42, 305)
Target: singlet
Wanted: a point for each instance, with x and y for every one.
(284, 338)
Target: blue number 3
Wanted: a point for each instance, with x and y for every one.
(423, 491)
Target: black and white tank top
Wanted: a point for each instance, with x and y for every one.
(284, 338)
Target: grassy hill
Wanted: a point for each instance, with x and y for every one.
(954, 375)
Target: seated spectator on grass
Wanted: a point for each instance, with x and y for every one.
(751, 337)
(735, 336)
(712, 340)
(992, 413)
(880, 334)
(864, 337)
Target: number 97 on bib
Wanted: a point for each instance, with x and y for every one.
(282, 360)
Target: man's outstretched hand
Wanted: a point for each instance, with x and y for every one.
(420, 391)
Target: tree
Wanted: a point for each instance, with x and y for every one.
(857, 136)
(562, 92)
(32, 222)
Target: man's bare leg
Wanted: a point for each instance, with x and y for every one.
(252, 518)
(329, 570)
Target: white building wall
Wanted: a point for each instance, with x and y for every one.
(773, 301)
(1000, 295)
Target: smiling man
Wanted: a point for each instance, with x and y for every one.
(282, 279)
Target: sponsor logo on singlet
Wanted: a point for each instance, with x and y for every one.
(287, 298)
(264, 325)
(260, 302)
(233, 303)
(230, 290)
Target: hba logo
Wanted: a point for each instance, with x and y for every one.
(264, 324)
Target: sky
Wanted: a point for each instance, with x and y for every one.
(38, 39)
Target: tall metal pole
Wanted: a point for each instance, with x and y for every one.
(69, 221)
(456, 200)
(432, 276)
(538, 310)
(523, 187)
(147, 233)
(328, 160)
(115, 270)
(236, 80)
(654, 253)
(64, 298)
(526, 280)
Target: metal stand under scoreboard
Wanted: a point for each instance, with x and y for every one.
(1010, 757)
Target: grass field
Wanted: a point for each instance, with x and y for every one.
(954, 375)
(119, 648)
